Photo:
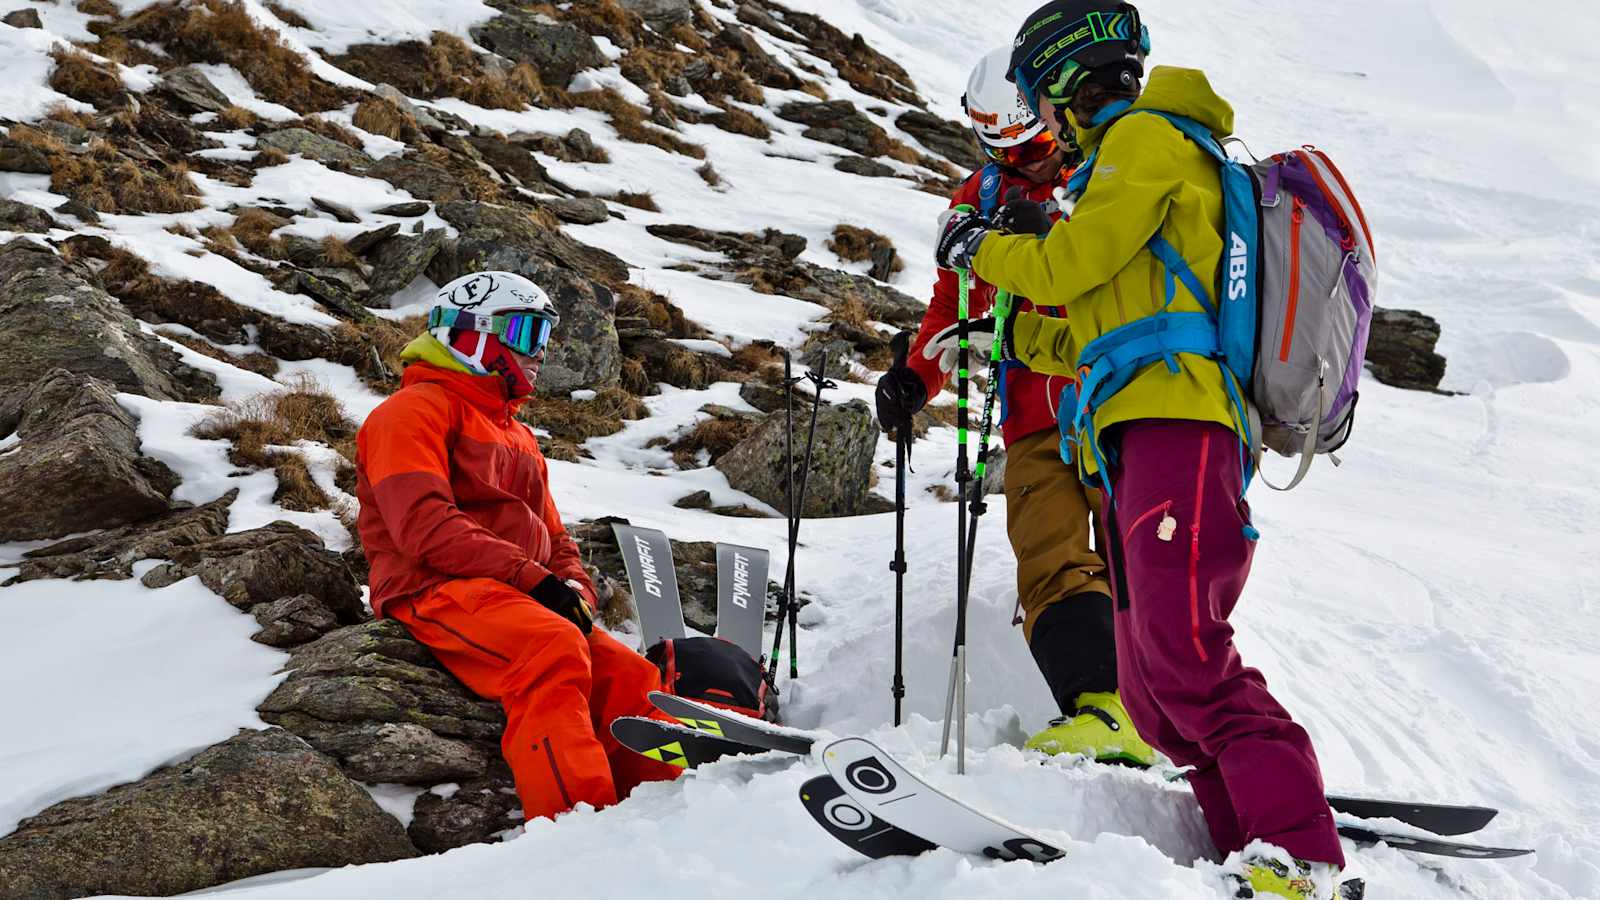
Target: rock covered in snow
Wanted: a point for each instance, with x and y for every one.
(260, 802)
(841, 463)
(78, 462)
(56, 318)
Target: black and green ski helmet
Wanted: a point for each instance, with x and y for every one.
(1063, 41)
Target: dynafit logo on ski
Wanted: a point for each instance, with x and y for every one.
(741, 580)
(647, 567)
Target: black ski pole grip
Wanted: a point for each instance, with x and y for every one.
(900, 346)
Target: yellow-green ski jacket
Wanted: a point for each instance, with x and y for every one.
(1148, 177)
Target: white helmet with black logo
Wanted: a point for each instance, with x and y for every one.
(997, 112)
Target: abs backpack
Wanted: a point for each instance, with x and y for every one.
(1288, 316)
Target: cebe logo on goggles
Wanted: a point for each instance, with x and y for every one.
(523, 332)
(1026, 153)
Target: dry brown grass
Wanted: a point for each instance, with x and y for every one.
(286, 15)
(109, 182)
(378, 116)
(628, 120)
(637, 302)
(579, 420)
(237, 118)
(815, 89)
(267, 157)
(336, 254)
(81, 78)
(854, 244)
(42, 141)
(221, 31)
(372, 347)
(737, 121)
(253, 229)
(304, 412)
(752, 359)
(715, 435)
(708, 174)
(333, 131)
(98, 8)
(635, 380)
(641, 200)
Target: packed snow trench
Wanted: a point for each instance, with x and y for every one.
(1427, 609)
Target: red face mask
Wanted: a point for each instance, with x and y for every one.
(496, 359)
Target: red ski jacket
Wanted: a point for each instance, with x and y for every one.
(451, 486)
(1030, 398)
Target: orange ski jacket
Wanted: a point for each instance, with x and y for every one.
(452, 486)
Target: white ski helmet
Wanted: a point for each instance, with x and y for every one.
(503, 304)
(999, 116)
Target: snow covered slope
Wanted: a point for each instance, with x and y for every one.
(1427, 610)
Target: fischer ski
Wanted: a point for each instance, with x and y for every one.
(675, 745)
(1363, 834)
(754, 733)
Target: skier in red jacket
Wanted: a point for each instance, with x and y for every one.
(468, 551)
(1061, 580)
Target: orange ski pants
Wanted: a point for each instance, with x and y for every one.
(560, 689)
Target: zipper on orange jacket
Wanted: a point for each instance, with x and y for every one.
(1296, 221)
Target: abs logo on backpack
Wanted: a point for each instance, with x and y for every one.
(1238, 267)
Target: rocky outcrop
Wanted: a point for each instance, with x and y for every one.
(399, 260)
(1400, 349)
(314, 146)
(191, 91)
(839, 123)
(951, 140)
(111, 554)
(378, 702)
(77, 462)
(769, 263)
(264, 565)
(558, 50)
(841, 463)
(260, 802)
(56, 318)
(472, 813)
(292, 621)
(15, 216)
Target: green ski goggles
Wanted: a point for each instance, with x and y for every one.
(526, 333)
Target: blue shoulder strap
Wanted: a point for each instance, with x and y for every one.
(989, 190)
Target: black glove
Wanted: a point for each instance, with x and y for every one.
(900, 395)
(959, 234)
(560, 598)
(1019, 215)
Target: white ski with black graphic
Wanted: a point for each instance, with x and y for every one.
(647, 554)
(741, 595)
(891, 792)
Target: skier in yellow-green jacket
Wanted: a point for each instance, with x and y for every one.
(1169, 440)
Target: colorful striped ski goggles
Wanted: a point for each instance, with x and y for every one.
(1066, 56)
(526, 333)
(1026, 153)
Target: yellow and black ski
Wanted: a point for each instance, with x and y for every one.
(673, 744)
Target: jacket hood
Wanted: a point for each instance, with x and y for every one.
(427, 360)
(1183, 92)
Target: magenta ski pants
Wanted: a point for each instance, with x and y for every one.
(1181, 552)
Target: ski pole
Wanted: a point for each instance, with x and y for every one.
(789, 382)
(900, 345)
(819, 382)
(977, 506)
(956, 695)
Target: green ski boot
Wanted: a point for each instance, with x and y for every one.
(1265, 877)
(1100, 729)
